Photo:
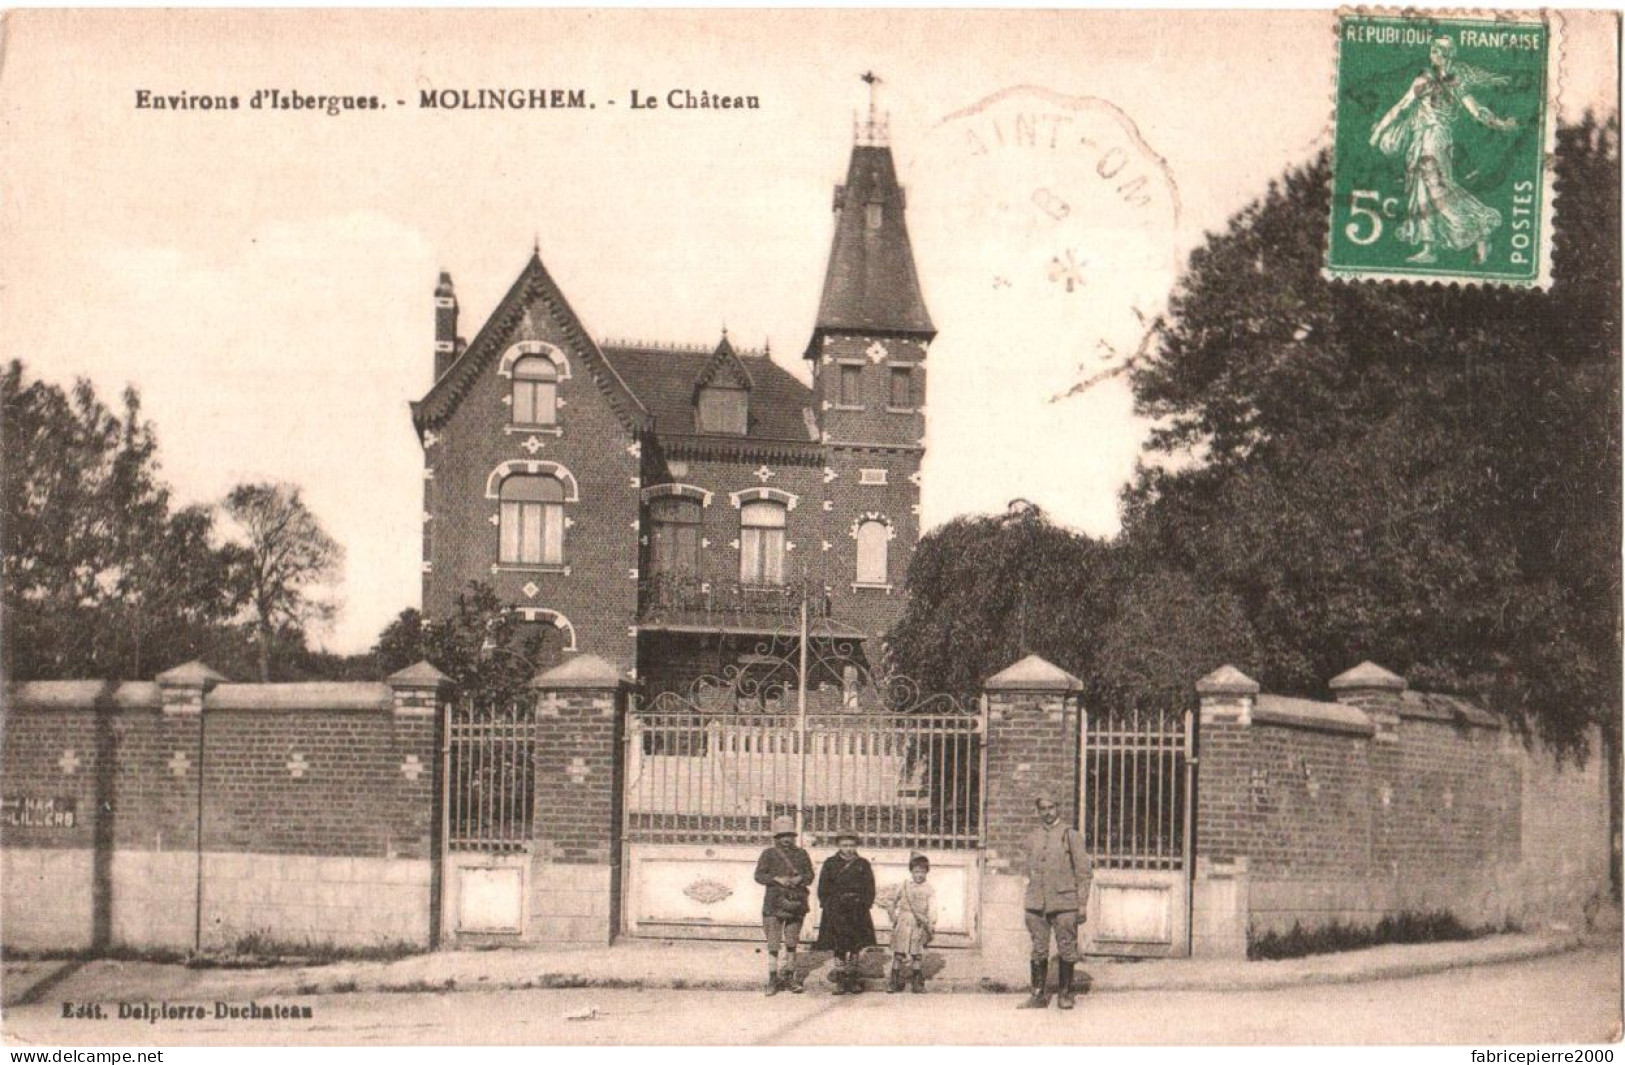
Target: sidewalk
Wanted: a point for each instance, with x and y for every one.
(721, 966)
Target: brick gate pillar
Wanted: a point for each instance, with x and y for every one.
(575, 875)
(1224, 783)
(418, 699)
(1032, 748)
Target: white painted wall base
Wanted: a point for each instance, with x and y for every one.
(289, 900)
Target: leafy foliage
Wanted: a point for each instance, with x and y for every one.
(1421, 475)
(100, 578)
(1425, 476)
(984, 592)
(484, 648)
(283, 556)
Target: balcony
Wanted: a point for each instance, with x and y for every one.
(685, 602)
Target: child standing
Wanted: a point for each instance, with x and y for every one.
(913, 909)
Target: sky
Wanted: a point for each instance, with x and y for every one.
(265, 277)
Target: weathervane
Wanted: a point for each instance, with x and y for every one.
(874, 132)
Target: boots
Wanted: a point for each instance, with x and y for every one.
(792, 977)
(1068, 997)
(895, 984)
(1040, 992)
(917, 983)
(854, 978)
(773, 984)
(838, 978)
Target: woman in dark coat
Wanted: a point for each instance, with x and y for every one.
(846, 891)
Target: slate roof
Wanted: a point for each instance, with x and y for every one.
(664, 379)
(871, 284)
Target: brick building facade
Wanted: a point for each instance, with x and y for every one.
(662, 506)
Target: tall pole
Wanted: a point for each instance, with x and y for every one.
(801, 709)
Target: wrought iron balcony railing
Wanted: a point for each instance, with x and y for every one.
(683, 599)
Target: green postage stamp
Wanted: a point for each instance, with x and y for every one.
(1444, 138)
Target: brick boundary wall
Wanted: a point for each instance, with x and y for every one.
(1381, 802)
(313, 804)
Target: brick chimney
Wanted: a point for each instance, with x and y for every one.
(445, 325)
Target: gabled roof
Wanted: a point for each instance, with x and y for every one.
(534, 284)
(871, 284)
(723, 369)
(665, 380)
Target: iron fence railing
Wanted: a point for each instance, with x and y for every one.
(1136, 800)
(898, 780)
(490, 774)
(687, 599)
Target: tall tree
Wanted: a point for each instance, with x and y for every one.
(100, 578)
(984, 592)
(1425, 475)
(283, 558)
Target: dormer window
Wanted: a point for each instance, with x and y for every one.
(535, 391)
(723, 410)
(873, 215)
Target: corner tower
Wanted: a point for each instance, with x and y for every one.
(868, 351)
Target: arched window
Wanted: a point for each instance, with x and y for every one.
(674, 535)
(532, 521)
(761, 542)
(535, 391)
(873, 538)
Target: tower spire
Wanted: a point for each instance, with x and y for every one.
(870, 285)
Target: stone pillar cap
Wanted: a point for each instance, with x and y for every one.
(1367, 675)
(579, 671)
(193, 674)
(1032, 674)
(420, 675)
(1227, 680)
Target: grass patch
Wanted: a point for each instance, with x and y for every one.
(1437, 926)
(422, 986)
(258, 950)
(159, 956)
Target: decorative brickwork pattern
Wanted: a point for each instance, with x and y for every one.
(1382, 802)
(307, 783)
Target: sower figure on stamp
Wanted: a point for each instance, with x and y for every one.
(1058, 876)
(1438, 210)
(846, 891)
(786, 871)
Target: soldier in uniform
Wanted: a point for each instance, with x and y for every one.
(786, 871)
(1058, 877)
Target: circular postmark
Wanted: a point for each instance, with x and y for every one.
(1053, 226)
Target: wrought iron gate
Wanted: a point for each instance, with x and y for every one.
(1135, 811)
(488, 804)
(801, 726)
